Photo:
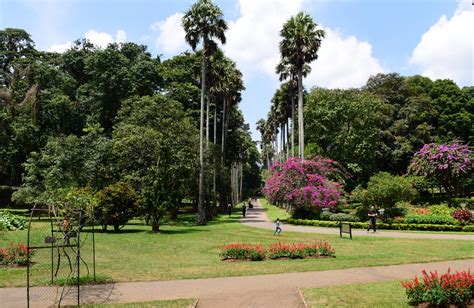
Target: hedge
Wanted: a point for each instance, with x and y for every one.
(385, 226)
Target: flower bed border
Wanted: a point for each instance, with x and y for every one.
(383, 226)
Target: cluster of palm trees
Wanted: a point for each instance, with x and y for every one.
(299, 45)
(221, 87)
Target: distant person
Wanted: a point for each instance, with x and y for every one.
(229, 209)
(244, 210)
(250, 204)
(277, 227)
(373, 219)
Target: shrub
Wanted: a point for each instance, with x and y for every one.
(117, 203)
(325, 215)
(240, 251)
(15, 253)
(430, 219)
(343, 217)
(385, 190)
(462, 215)
(9, 221)
(300, 250)
(441, 209)
(468, 203)
(456, 289)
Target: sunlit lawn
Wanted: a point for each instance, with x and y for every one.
(177, 303)
(274, 212)
(378, 294)
(184, 250)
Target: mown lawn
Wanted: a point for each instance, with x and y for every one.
(183, 250)
(378, 294)
(177, 303)
(274, 212)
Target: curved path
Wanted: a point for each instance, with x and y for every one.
(257, 217)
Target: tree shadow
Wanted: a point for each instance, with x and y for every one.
(181, 231)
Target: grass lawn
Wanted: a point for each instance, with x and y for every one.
(377, 294)
(183, 250)
(177, 303)
(274, 212)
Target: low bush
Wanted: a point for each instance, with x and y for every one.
(430, 219)
(343, 217)
(9, 221)
(238, 251)
(441, 209)
(384, 226)
(456, 289)
(468, 203)
(15, 253)
(462, 215)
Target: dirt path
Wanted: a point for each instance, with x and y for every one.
(257, 218)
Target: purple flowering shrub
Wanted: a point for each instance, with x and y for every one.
(301, 183)
(449, 164)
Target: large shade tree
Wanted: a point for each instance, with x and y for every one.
(203, 22)
(299, 45)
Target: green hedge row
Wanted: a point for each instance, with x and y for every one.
(385, 226)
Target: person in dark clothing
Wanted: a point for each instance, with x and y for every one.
(244, 209)
(250, 204)
(229, 209)
(373, 219)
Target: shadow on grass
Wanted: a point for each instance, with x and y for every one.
(122, 231)
(181, 231)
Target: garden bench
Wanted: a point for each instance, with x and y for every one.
(345, 227)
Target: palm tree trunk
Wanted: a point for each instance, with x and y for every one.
(214, 171)
(207, 119)
(300, 112)
(292, 125)
(241, 180)
(287, 133)
(201, 211)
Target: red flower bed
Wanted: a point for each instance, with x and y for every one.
(14, 254)
(457, 288)
(239, 251)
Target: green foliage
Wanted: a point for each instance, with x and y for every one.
(430, 219)
(441, 209)
(117, 204)
(385, 190)
(9, 221)
(338, 217)
(14, 254)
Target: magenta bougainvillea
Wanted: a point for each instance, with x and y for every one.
(314, 182)
(449, 164)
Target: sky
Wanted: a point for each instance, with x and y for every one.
(433, 38)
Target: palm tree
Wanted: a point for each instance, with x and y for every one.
(203, 22)
(286, 70)
(299, 45)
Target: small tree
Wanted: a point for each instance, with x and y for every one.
(117, 204)
(449, 164)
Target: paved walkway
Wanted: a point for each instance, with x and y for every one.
(278, 290)
(257, 218)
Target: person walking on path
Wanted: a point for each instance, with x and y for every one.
(229, 209)
(373, 219)
(277, 227)
(244, 209)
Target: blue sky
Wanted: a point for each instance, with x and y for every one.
(429, 37)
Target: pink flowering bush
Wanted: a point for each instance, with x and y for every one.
(449, 164)
(315, 182)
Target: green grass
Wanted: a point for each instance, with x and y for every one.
(274, 212)
(176, 303)
(186, 251)
(379, 294)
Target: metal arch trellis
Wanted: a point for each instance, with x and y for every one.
(59, 246)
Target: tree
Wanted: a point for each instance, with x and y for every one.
(449, 164)
(203, 22)
(299, 45)
(14, 44)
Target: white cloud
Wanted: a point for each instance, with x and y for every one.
(343, 62)
(99, 39)
(60, 47)
(446, 49)
(170, 34)
(252, 39)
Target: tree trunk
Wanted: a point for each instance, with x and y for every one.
(287, 134)
(201, 210)
(300, 112)
(292, 125)
(155, 224)
(207, 119)
(214, 157)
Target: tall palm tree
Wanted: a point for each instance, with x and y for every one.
(288, 71)
(299, 45)
(203, 22)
